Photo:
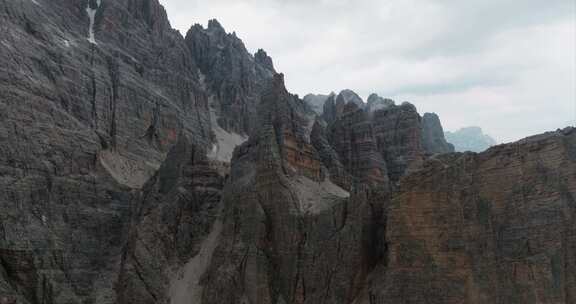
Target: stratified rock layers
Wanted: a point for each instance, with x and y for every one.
(115, 184)
(278, 247)
(496, 227)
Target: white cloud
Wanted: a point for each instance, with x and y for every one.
(505, 65)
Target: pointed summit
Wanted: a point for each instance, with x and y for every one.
(213, 24)
(375, 102)
(263, 59)
(347, 96)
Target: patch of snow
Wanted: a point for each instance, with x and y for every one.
(225, 144)
(92, 15)
(316, 197)
(44, 219)
(185, 286)
(35, 2)
(310, 120)
(66, 43)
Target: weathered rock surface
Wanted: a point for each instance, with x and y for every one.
(316, 102)
(93, 95)
(470, 139)
(433, 135)
(398, 133)
(116, 187)
(495, 227)
(348, 96)
(85, 120)
(175, 214)
(376, 102)
(352, 137)
(333, 106)
(402, 137)
(234, 77)
(288, 238)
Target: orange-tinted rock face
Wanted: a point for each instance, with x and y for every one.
(301, 156)
(496, 227)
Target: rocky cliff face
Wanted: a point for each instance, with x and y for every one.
(376, 102)
(93, 96)
(352, 137)
(433, 135)
(402, 137)
(121, 181)
(495, 227)
(284, 232)
(234, 77)
(398, 134)
(316, 102)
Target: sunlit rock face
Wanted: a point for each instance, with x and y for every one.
(141, 166)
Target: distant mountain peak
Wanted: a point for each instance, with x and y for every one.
(375, 102)
(470, 139)
(214, 24)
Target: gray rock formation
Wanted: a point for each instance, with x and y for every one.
(93, 96)
(316, 102)
(352, 136)
(494, 227)
(176, 217)
(433, 135)
(349, 96)
(116, 135)
(470, 139)
(284, 232)
(233, 76)
(398, 133)
(376, 102)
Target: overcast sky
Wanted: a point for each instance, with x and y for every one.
(508, 66)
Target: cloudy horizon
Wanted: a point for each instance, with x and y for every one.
(506, 67)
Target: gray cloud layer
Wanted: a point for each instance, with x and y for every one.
(506, 65)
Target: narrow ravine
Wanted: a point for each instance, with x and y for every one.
(185, 287)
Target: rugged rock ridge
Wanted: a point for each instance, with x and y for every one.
(495, 227)
(93, 96)
(398, 133)
(352, 137)
(176, 213)
(84, 123)
(112, 192)
(235, 77)
(316, 102)
(284, 233)
(433, 135)
(403, 138)
(376, 102)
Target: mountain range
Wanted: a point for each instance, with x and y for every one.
(140, 165)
